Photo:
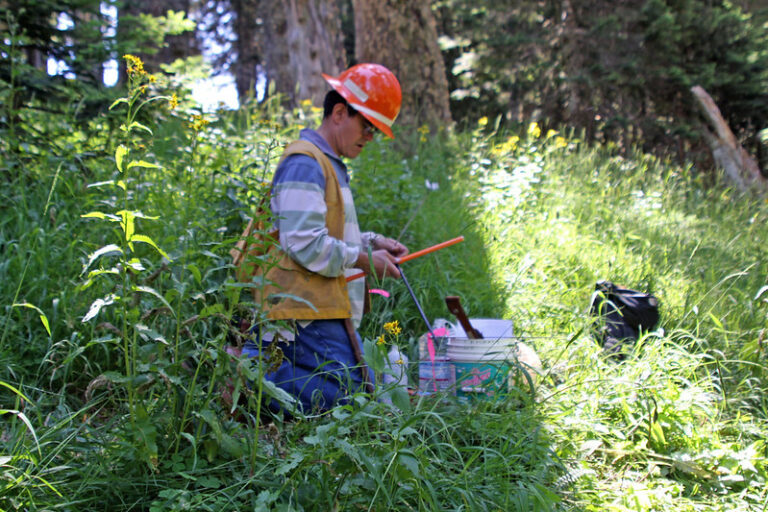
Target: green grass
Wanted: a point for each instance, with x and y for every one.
(123, 412)
(674, 425)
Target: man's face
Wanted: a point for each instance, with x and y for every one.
(356, 132)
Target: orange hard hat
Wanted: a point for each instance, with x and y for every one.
(372, 90)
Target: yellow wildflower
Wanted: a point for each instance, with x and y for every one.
(482, 121)
(173, 102)
(380, 340)
(135, 65)
(306, 103)
(560, 142)
(199, 122)
(152, 79)
(534, 130)
(424, 131)
(507, 146)
(393, 328)
(551, 133)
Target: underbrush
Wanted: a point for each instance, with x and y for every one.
(119, 304)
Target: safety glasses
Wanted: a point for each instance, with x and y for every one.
(368, 127)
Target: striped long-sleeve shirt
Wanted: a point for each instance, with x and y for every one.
(298, 207)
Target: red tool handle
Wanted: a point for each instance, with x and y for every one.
(417, 254)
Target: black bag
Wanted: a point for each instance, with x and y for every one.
(624, 313)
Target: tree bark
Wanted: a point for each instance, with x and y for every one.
(402, 35)
(246, 66)
(578, 109)
(303, 39)
(738, 165)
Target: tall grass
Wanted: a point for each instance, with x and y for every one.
(124, 411)
(675, 425)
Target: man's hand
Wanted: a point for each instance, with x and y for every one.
(390, 245)
(381, 262)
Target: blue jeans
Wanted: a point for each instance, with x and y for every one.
(318, 367)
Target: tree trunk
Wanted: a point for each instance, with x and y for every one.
(246, 66)
(304, 40)
(578, 109)
(739, 166)
(402, 35)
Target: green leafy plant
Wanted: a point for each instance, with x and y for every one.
(128, 268)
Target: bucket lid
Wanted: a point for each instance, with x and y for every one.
(490, 328)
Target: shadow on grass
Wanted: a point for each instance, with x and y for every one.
(484, 455)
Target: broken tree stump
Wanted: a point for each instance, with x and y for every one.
(738, 165)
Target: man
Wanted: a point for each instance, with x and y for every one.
(321, 244)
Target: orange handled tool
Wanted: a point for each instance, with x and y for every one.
(417, 254)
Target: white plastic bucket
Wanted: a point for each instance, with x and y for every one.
(482, 366)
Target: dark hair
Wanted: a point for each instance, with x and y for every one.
(331, 99)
